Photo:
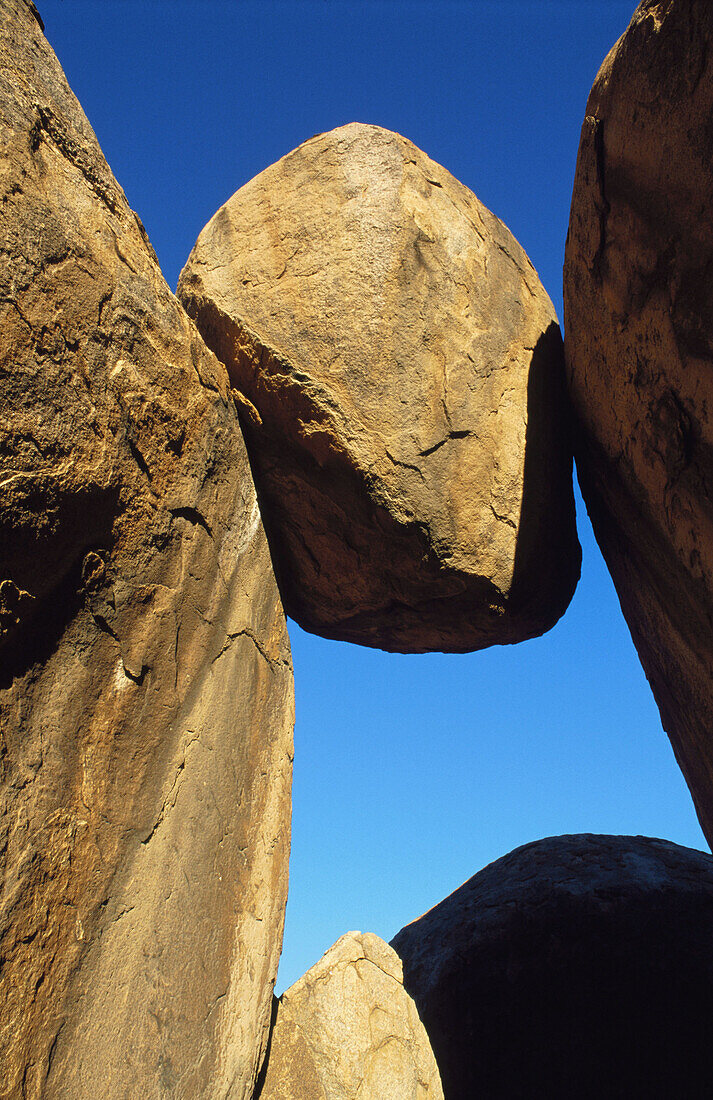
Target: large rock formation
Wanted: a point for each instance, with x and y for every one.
(639, 340)
(577, 966)
(146, 687)
(348, 1029)
(398, 366)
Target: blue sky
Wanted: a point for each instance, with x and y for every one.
(411, 772)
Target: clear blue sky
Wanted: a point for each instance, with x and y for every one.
(411, 773)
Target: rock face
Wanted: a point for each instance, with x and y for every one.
(146, 686)
(638, 289)
(399, 371)
(348, 1029)
(575, 966)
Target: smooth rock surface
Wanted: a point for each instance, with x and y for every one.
(399, 369)
(348, 1029)
(146, 695)
(576, 966)
(638, 291)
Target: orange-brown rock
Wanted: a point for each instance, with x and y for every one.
(399, 370)
(145, 677)
(639, 341)
(348, 1028)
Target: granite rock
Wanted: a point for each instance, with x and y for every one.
(348, 1029)
(574, 966)
(399, 371)
(146, 698)
(638, 290)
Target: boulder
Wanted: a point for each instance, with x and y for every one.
(146, 696)
(348, 1029)
(576, 966)
(638, 288)
(399, 371)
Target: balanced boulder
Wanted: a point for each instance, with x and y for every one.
(576, 966)
(638, 290)
(399, 370)
(348, 1029)
(146, 697)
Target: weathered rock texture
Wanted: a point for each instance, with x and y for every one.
(639, 338)
(146, 686)
(400, 376)
(348, 1029)
(575, 966)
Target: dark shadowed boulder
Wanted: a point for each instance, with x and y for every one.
(577, 966)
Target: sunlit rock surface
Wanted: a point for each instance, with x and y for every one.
(638, 290)
(145, 679)
(399, 370)
(348, 1029)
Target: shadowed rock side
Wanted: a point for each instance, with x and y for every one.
(146, 695)
(638, 289)
(399, 371)
(348, 1029)
(577, 966)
